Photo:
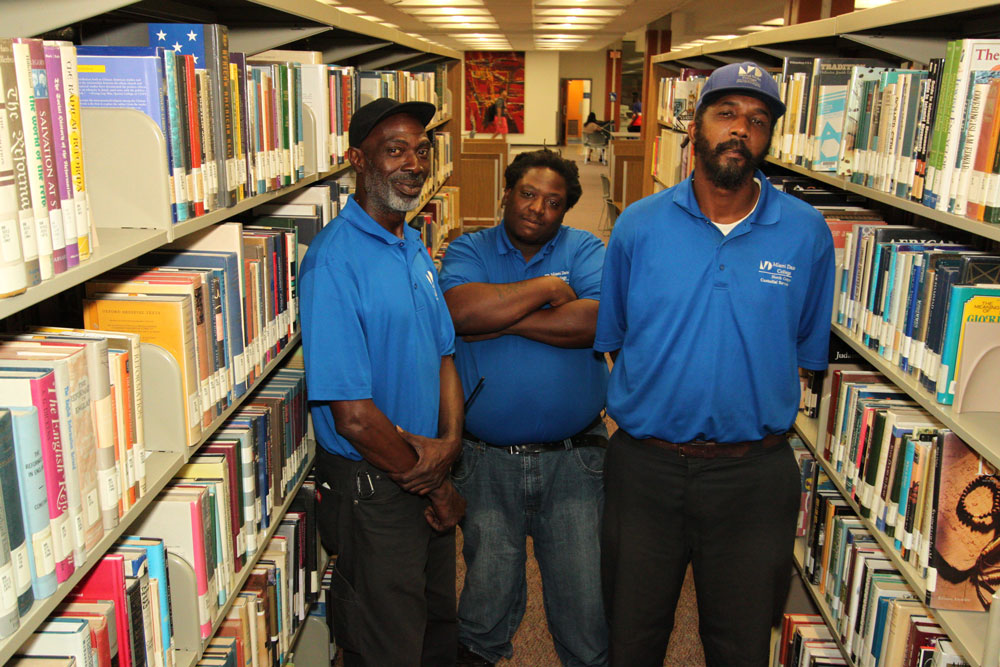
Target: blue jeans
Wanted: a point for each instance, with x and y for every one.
(557, 498)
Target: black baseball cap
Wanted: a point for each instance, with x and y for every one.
(367, 117)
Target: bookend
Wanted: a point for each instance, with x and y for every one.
(183, 605)
(991, 651)
(125, 158)
(309, 136)
(314, 644)
(163, 403)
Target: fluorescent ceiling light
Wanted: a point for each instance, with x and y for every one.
(350, 10)
(389, 25)
(403, 4)
(446, 11)
(577, 11)
(582, 3)
(458, 19)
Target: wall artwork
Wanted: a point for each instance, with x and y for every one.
(490, 75)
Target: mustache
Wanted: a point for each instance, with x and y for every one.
(734, 145)
(409, 180)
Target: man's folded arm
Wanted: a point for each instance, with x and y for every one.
(479, 308)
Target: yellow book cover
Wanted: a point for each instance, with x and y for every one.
(189, 285)
(164, 320)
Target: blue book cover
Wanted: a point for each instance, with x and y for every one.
(156, 561)
(34, 500)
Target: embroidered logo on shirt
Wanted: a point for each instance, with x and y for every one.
(563, 275)
(775, 273)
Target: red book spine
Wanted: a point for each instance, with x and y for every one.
(44, 398)
(194, 132)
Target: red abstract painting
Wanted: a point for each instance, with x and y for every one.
(490, 75)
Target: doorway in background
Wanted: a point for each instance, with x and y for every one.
(574, 106)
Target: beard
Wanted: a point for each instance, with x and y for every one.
(724, 172)
(382, 194)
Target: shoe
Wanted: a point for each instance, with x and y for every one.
(466, 658)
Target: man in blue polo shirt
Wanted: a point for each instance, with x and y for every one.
(715, 292)
(386, 403)
(524, 297)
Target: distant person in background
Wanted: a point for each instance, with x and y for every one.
(635, 109)
(592, 126)
(715, 293)
(636, 106)
(497, 114)
(595, 137)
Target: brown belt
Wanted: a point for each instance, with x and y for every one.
(705, 449)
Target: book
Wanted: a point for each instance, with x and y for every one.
(964, 484)
(27, 65)
(19, 186)
(62, 636)
(165, 321)
(77, 441)
(106, 581)
(960, 296)
(34, 501)
(181, 519)
(39, 387)
(156, 559)
(102, 609)
(100, 640)
(13, 521)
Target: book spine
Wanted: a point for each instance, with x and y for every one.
(34, 502)
(13, 274)
(178, 179)
(46, 400)
(196, 178)
(74, 133)
(43, 114)
(222, 35)
(208, 166)
(19, 166)
(33, 153)
(60, 153)
(205, 596)
(10, 497)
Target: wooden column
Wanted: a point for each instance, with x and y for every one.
(802, 11)
(612, 84)
(657, 42)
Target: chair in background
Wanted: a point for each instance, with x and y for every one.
(606, 187)
(596, 141)
(610, 216)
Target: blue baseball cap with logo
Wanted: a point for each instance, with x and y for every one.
(746, 78)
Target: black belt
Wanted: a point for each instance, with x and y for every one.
(706, 449)
(582, 439)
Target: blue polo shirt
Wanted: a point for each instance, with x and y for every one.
(532, 392)
(374, 325)
(712, 328)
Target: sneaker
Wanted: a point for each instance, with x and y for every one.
(466, 658)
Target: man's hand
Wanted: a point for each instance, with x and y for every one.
(446, 509)
(434, 459)
(561, 291)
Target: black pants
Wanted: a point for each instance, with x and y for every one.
(393, 591)
(733, 519)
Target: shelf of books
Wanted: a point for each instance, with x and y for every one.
(151, 386)
(968, 630)
(818, 598)
(187, 657)
(896, 141)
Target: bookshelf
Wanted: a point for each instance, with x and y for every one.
(968, 629)
(818, 599)
(901, 32)
(130, 197)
